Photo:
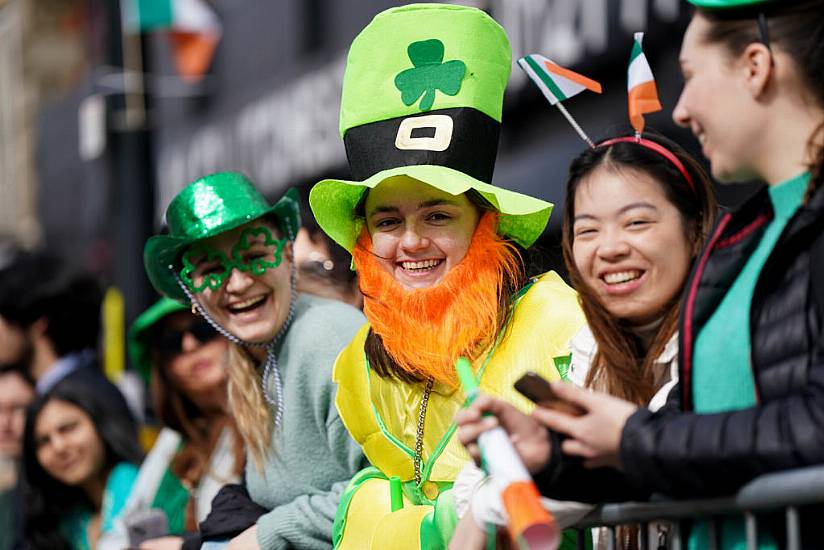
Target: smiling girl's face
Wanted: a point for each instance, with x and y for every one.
(419, 233)
(68, 446)
(630, 243)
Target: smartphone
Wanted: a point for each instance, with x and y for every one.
(536, 388)
(145, 525)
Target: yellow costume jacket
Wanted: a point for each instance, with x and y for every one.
(382, 416)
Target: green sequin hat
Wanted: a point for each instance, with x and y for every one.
(207, 207)
(422, 97)
(141, 332)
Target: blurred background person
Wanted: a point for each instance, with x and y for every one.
(50, 325)
(16, 392)
(324, 267)
(81, 459)
(183, 359)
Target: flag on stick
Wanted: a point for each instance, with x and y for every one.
(558, 84)
(643, 95)
(195, 31)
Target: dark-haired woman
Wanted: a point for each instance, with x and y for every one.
(637, 214)
(199, 449)
(751, 397)
(80, 464)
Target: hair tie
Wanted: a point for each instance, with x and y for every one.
(658, 148)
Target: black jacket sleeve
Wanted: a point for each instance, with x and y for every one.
(566, 478)
(233, 511)
(690, 455)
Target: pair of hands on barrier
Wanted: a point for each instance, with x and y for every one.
(594, 435)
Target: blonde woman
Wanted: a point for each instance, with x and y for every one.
(229, 254)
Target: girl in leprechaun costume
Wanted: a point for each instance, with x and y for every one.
(436, 249)
(229, 254)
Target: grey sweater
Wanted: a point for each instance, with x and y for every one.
(312, 456)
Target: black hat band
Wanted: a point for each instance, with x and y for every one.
(463, 139)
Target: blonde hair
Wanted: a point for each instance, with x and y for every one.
(248, 405)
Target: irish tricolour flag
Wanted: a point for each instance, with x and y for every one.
(643, 95)
(194, 29)
(556, 82)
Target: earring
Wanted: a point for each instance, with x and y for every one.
(194, 309)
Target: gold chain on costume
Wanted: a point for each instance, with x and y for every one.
(416, 461)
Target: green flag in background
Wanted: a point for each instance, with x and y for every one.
(147, 15)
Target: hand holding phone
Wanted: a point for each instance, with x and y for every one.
(536, 388)
(145, 525)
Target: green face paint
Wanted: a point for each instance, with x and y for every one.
(255, 251)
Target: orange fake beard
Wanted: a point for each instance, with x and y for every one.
(426, 330)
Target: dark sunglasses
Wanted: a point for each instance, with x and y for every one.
(170, 341)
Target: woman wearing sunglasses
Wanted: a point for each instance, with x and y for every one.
(183, 360)
(230, 255)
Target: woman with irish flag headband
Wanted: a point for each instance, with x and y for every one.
(751, 394)
(436, 247)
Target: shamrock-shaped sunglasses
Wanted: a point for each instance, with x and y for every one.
(255, 251)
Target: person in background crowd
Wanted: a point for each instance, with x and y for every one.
(50, 324)
(637, 216)
(435, 248)
(81, 459)
(229, 255)
(16, 392)
(324, 267)
(751, 396)
(183, 359)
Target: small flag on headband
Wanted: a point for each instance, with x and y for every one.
(643, 95)
(558, 84)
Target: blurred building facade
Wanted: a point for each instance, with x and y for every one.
(17, 184)
(46, 50)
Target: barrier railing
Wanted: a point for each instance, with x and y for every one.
(789, 490)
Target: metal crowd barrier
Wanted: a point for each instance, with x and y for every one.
(789, 490)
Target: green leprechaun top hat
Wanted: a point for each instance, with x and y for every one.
(207, 207)
(422, 97)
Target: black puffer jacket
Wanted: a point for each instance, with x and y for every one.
(676, 452)
(696, 455)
